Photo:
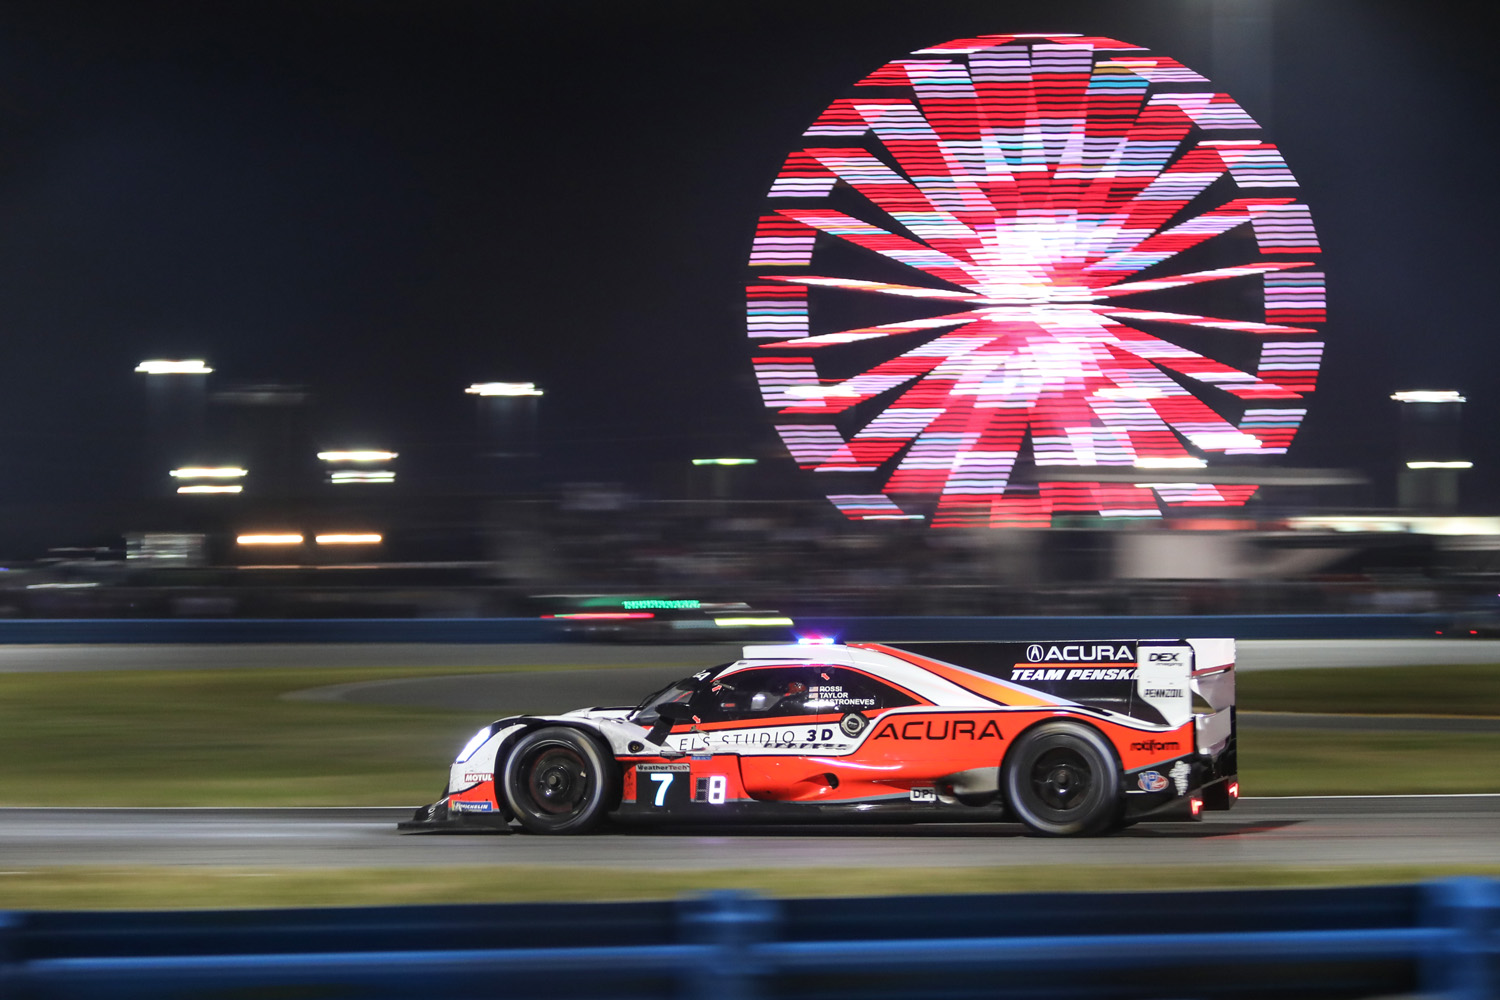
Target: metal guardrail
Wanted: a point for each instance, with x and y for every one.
(1441, 939)
(857, 629)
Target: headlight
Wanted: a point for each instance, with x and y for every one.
(474, 744)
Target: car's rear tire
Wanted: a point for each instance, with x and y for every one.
(1061, 780)
(558, 780)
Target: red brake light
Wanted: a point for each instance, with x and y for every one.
(1234, 789)
(1197, 805)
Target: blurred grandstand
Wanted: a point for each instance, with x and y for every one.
(800, 558)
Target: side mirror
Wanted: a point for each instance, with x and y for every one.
(667, 716)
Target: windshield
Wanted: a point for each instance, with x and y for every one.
(679, 691)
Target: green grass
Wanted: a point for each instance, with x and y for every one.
(217, 737)
(177, 888)
(1467, 689)
(1314, 762)
(227, 737)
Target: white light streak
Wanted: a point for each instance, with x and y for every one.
(369, 538)
(208, 472)
(206, 488)
(354, 476)
(1428, 396)
(1168, 462)
(270, 539)
(1440, 465)
(370, 455)
(503, 389)
(162, 367)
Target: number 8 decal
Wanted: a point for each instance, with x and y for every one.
(718, 789)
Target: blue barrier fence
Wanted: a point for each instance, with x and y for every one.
(888, 629)
(1441, 939)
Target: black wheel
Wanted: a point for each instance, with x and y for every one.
(557, 780)
(1061, 780)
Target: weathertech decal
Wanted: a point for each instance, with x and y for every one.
(957, 729)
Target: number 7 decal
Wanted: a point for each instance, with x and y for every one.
(663, 781)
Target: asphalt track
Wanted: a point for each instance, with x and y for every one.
(1285, 832)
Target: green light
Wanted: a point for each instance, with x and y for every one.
(660, 605)
(724, 461)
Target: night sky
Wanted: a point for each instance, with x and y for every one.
(388, 201)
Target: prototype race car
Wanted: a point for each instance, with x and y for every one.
(1070, 739)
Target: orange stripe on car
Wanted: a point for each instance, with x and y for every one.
(1003, 692)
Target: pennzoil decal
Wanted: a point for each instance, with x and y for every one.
(955, 729)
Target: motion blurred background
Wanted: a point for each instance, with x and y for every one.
(463, 286)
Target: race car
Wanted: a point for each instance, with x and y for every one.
(1068, 738)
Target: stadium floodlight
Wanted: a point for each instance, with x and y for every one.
(503, 389)
(1440, 465)
(1428, 396)
(724, 461)
(164, 367)
(355, 476)
(206, 488)
(367, 538)
(367, 455)
(208, 472)
(271, 539)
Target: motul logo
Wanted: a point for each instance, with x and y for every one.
(1082, 653)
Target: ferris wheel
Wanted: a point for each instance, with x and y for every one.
(1018, 272)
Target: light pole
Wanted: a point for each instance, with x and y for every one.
(508, 433)
(175, 394)
(1431, 420)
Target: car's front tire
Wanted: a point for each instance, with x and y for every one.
(1061, 780)
(558, 780)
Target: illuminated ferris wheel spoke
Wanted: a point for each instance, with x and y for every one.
(1036, 177)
